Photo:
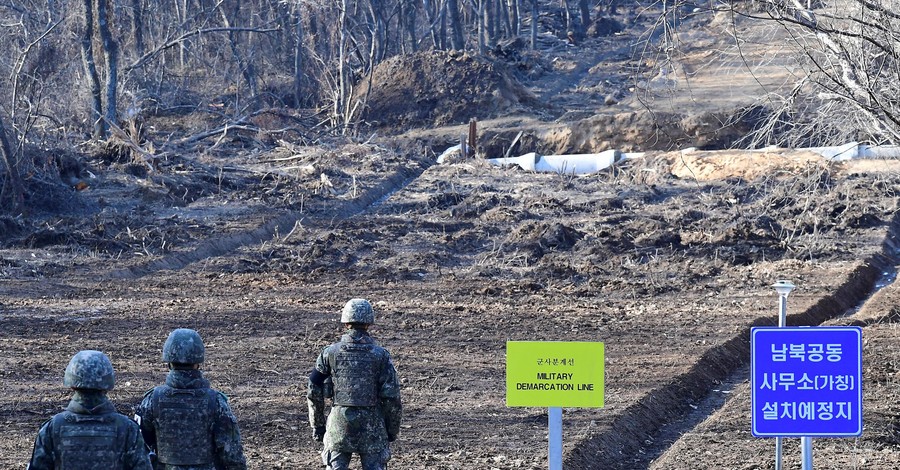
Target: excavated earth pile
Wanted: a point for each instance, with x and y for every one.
(438, 88)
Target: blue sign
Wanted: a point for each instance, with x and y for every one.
(806, 381)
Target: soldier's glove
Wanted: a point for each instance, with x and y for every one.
(319, 433)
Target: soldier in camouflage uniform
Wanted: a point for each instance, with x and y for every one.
(89, 435)
(366, 410)
(187, 424)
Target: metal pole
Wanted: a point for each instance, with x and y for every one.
(554, 417)
(782, 311)
(778, 449)
(784, 289)
(782, 322)
(807, 451)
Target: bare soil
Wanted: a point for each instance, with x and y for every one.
(667, 259)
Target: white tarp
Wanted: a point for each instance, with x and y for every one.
(853, 150)
(585, 163)
(456, 149)
(577, 164)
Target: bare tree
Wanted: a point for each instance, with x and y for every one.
(534, 24)
(585, 18)
(298, 54)
(111, 54)
(456, 27)
(90, 69)
(137, 26)
(247, 68)
(343, 82)
(513, 7)
(851, 49)
(11, 187)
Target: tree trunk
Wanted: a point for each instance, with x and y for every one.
(504, 27)
(13, 182)
(514, 16)
(481, 30)
(534, 24)
(298, 55)
(431, 17)
(443, 28)
(381, 39)
(585, 15)
(489, 19)
(181, 13)
(411, 25)
(90, 69)
(137, 27)
(457, 42)
(246, 67)
(378, 33)
(342, 82)
(111, 54)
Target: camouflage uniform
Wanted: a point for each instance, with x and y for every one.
(186, 423)
(89, 435)
(366, 409)
(189, 425)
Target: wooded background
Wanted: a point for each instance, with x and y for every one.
(86, 70)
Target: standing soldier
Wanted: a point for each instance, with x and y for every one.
(89, 435)
(366, 410)
(186, 423)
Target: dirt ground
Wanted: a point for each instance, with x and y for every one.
(667, 259)
(458, 261)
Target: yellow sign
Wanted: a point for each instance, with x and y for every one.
(554, 374)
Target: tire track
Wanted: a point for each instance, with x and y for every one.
(219, 246)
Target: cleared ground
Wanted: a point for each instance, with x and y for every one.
(669, 273)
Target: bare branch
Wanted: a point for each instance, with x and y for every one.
(180, 39)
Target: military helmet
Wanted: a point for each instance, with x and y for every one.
(358, 311)
(90, 370)
(183, 346)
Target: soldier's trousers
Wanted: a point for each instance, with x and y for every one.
(341, 460)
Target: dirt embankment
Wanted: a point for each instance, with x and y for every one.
(438, 88)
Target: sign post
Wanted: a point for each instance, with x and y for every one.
(554, 374)
(554, 438)
(806, 382)
(784, 289)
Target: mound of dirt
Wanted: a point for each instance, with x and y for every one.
(437, 88)
(720, 165)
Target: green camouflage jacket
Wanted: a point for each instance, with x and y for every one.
(68, 441)
(204, 423)
(368, 377)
